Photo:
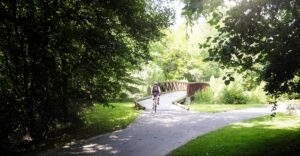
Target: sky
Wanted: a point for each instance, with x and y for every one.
(177, 5)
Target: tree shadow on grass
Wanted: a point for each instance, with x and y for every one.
(267, 138)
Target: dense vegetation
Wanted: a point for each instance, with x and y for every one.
(177, 57)
(57, 57)
(255, 36)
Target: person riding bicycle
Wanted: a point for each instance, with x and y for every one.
(156, 91)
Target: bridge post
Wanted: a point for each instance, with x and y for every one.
(192, 87)
(187, 100)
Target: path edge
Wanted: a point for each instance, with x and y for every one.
(177, 103)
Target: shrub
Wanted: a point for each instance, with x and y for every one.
(233, 95)
(293, 96)
(257, 95)
(236, 92)
(204, 96)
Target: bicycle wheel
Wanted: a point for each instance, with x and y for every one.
(154, 104)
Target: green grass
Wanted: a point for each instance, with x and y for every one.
(97, 120)
(220, 107)
(261, 136)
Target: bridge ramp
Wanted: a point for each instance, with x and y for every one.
(165, 101)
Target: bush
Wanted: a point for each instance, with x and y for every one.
(204, 96)
(236, 92)
(257, 95)
(233, 95)
(293, 96)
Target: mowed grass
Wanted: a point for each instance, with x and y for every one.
(261, 136)
(221, 107)
(97, 120)
(100, 120)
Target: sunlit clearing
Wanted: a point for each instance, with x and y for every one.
(239, 125)
(287, 124)
(291, 124)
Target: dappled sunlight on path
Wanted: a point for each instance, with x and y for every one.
(158, 133)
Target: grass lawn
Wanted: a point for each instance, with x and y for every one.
(221, 107)
(261, 136)
(98, 120)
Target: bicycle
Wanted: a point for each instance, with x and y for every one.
(155, 103)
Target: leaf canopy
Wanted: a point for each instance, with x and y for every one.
(57, 57)
(257, 35)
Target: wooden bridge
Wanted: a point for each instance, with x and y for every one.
(183, 92)
(190, 87)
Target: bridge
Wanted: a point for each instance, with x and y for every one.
(189, 87)
(183, 91)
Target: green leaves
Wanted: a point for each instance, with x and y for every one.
(260, 36)
(228, 78)
(57, 57)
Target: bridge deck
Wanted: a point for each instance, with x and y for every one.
(165, 101)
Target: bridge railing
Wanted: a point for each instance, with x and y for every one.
(190, 87)
(193, 87)
(172, 86)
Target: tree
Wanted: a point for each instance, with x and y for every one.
(178, 55)
(256, 35)
(56, 57)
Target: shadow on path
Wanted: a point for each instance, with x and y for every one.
(156, 134)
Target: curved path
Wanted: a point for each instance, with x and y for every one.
(156, 134)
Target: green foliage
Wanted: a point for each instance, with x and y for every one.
(205, 96)
(177, 56)
(257, 95)
(129, 91)
(57, 57)
(237, 91)
(260, 137)
(148, 74)
(293, 96)
(171, 66)
(261, 36)
(233, 95)
(195, 8)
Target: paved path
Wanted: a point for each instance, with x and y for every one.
(156, 134)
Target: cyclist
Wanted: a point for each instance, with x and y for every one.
(155, 90)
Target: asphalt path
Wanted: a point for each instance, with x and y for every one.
(156, 134)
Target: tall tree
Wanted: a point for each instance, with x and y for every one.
(58, 56)
(256, 35)
(179, 57)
